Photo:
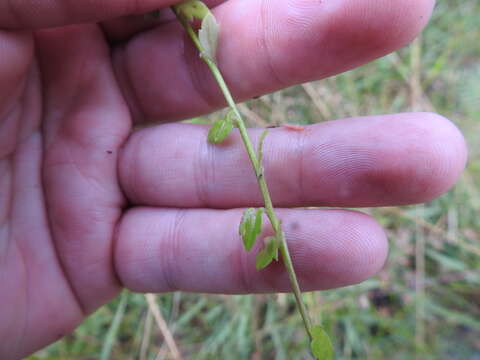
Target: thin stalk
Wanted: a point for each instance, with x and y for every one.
(274, 220)
(114, 326)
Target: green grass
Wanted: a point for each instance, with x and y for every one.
(425, 304)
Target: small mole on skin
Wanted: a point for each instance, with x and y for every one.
(294, 225)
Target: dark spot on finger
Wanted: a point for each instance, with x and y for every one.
(294, 226)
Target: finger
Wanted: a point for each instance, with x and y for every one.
(161, 250)
(371, 161)
(121, 29)
(264, 46)
(30, 14)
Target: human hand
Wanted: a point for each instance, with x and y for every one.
(88, 205)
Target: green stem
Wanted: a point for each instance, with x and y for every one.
(276, 224)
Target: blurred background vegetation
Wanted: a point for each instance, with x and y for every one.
(425, 304)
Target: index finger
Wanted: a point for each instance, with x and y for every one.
(31, 14)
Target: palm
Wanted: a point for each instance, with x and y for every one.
(61, 198)
(70, 165)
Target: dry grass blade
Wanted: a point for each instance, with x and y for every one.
(147, 332)
(434, 229)
(322, 107)
(162, 325)
(253, 117)
(420, 288)
(114, 327)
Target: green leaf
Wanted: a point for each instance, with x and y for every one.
(220, 130)
(208, 36)
(192, 9)
(268, 253)
(251, 227)
(278, 240)
(321, 345)
(232, 117)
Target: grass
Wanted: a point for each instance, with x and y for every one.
(425, 304)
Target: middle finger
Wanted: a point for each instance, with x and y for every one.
(370, 161)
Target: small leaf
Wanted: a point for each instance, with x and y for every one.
(268, 253)
(192, 9)
(232, 117)
(321, 345)
(208, 36)
(278, 240)
(251, 227)
(220, 130)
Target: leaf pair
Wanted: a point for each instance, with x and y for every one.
(209, 30)
(250, 229)
(268, 253)
(208, 36)
(321, 346)
(221, 128)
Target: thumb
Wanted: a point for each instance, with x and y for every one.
(31, 14)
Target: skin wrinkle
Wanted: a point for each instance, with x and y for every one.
(15, 113)
(62, 263)
(13, 12)
(243, 274)
(5, 208)
(54, 242)
(301, 139)
(148, 252)
(10, 129)
(6, 199)
(127, 165)
(200, 175)
(31, 99)
(34, 185)
(125, 82)
(170, 258)
(112, 249)
(200, 79)
(266, 31)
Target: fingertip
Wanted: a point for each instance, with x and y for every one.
(441, 156)
(357, 252)
(392, 25)
(340, 35)
(371, 249)
(376, 28)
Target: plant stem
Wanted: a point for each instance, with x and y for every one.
(274, 220)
